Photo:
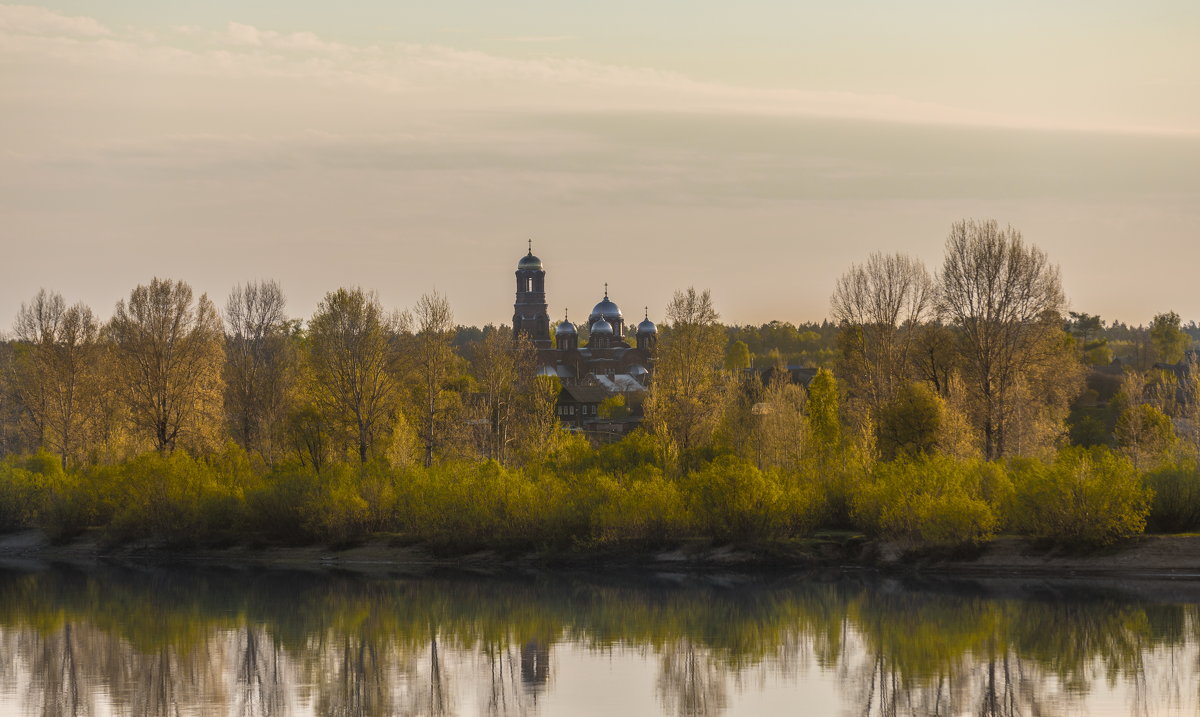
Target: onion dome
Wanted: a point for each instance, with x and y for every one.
(647, 326)
(566, 328)
(602, 328)
(606, 308)
(529, 262)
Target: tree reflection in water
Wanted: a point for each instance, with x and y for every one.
(163, 642)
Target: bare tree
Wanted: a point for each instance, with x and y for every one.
(881, 306)
(58, 371)
(1005, 299)
(168, 351)
(688, 388)
(504, 368)
(259, 364)
(352, 358)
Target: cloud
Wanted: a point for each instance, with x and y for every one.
(436, 78)
(30, 20)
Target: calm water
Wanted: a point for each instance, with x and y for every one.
(109, 641)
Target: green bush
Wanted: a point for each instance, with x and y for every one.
(1085, 497)
(470, 503)
(1176, 504)
(930, 500)
(646, 505)
(731, 499)
(20, 497)
(175, 498)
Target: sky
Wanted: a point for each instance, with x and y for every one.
(757, 149)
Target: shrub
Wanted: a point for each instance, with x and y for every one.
(731, 499)
(1085, 497)
(173, 497)
(472, 503)
(644, 506)
(20, 497)
(930, 500)
(1176, 504)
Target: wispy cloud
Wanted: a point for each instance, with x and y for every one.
(440, 77)
(30, 20)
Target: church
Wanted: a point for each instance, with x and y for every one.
(604, 365)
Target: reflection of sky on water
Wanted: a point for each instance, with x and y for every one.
(179, 642)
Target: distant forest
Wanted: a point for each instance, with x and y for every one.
(947, 406)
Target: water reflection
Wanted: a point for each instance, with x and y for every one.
(261, 644)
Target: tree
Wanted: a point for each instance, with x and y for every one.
(168, 353)
(688, 386)
(433, 364)
(823, 415)
(58, 371)
(737, 357)
(613, 407)
(1168, 339)
(504, 369)
(260, 360)
(1005, 300)
(779, 435)
(879, 307)
(352, 358)
(911, 424)
(1145, 434)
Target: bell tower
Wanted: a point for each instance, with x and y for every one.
(530, 312)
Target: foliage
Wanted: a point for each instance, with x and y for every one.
(169, 357)
(351, 352)
(911, 424)
(1168, 338)
(737, 356)
(1176, 505)
(932, 500)
(613, 407)
(688, 384)
(1085, 496)
(1145, 434)
(732, 499)
(825, 428)
(174, 498)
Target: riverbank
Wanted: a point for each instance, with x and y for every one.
(1160, 556)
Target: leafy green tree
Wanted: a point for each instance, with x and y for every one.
(1168, 339)
(911, 424)
(613, 407)
(352, 357)
(737, 357)
(1145, 434)
(825, 427)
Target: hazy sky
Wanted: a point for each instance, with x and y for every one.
(754, 148)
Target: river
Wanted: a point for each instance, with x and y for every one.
(122, 640)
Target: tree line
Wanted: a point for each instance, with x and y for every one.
(953, 404)
(170, 371)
